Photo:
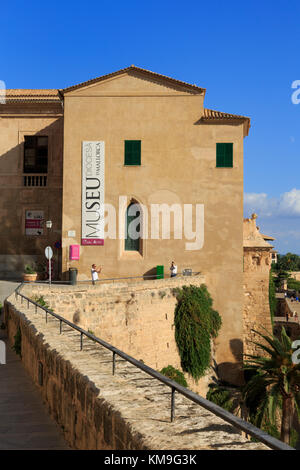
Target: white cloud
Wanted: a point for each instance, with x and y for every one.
(287, 205)
(260, 204)
(290, 203)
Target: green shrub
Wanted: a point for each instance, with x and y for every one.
(41, 301)
(196, 322)
(174, 374)
(293, 284)
(29, 269)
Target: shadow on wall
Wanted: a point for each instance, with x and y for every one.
(151, 274)
(16, 249)
(232, 371)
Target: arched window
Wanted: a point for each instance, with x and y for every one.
(133, 227)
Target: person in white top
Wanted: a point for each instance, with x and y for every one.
(173, 269)
(95, 271)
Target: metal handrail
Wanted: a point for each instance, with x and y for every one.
(151, 276)
(237, 422)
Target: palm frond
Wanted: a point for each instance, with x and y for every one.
(272, 340)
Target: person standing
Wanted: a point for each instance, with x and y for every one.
(173, 269)
(95, 271)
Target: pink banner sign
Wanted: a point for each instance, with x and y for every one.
(33, 223)
(92, 241)
(74, 252)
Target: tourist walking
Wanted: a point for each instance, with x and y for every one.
(95, 271)
(173, 269)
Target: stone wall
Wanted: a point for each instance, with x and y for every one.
(136, 317)
(291, 327)
(71, 397)
(256, 310)
(97, 410)
(257, 263)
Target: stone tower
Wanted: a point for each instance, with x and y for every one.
(257, 264)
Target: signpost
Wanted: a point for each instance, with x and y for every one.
(49, 254)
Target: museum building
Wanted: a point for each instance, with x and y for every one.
(129, 139)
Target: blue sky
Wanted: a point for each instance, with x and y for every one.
(245, 53)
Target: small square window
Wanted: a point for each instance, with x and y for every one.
(132, 152)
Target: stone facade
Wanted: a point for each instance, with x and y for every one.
(97, 410)
(179, 138)
(29, 113)
(136, 317)
(257, 263)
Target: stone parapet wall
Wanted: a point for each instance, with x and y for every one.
(97, 410)
(136, 317)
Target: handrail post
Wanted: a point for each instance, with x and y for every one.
(114, 363)
(46, 316)
(60, 326)
(27, 303)
(172, 405)
(35, 308)
(81, 341)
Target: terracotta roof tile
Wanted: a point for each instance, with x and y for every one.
(145, 72)
(19, 95)
(211, 114)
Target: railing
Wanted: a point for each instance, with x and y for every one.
(237, 422)
(116, 279)
(35, 181)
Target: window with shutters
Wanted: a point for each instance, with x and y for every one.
(132, 152)
(225, 155)
(133, 227)
(35, 154)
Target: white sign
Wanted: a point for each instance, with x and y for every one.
(92, 211)
(48, 252)
(34, 222)
(72, 233)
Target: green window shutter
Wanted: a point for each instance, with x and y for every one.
(130, 243)
(224, 155)
(132, 152)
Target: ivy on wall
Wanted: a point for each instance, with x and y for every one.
(196, 323)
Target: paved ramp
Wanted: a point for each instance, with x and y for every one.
(6, 288)
(24, 421)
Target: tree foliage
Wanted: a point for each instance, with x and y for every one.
(293, 284)
(196, 322)
(222, 395)
(288, 262)
(273, 386)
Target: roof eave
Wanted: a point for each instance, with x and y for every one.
(135, 69)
